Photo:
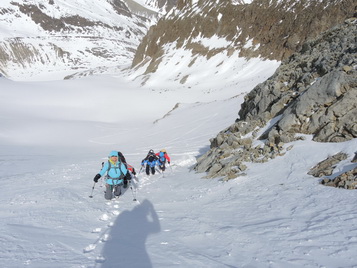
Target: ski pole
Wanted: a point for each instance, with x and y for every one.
(91, 195)
(132, 191)
(101, 179)
(157, 170)
(134, 195)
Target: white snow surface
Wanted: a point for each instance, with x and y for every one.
(55, 134)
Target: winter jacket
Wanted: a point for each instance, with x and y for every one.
(115, 172)
(163, 157)
(150, 160)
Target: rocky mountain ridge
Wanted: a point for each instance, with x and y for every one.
(313, 92)
(263, 28)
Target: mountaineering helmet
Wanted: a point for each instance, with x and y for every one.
(113, 153)
(163, 150)
(151, 151)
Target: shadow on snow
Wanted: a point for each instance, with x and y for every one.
(126, 246)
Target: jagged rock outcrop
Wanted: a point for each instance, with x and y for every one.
(312, 92)
(265, 28)
(346, 180)
(326, 167)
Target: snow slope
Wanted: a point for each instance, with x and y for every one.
(55, 134)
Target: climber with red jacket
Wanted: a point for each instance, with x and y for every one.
(163, 157)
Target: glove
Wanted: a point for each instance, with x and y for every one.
(96, 178)
(168, 162)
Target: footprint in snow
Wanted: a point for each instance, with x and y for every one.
(104, 217)
(105, 238)
(89, 248)
(116, 212)
(100, 259)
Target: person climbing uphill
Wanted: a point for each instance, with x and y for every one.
(129, 174)
(162, 157)
(115, 172)
(150, 161)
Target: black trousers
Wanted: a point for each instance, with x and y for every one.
(162, 166)
(148, 169)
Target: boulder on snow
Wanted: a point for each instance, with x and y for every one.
(347, 180)
(326, 167)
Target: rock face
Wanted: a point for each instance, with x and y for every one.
(264, 28)
(313, 92)
(347, 180)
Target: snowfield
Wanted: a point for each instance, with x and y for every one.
(55, 134)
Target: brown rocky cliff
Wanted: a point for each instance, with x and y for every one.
(274, 29)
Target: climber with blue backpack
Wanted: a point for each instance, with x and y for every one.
(149, 162)
(115, 171)
(163, 156)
